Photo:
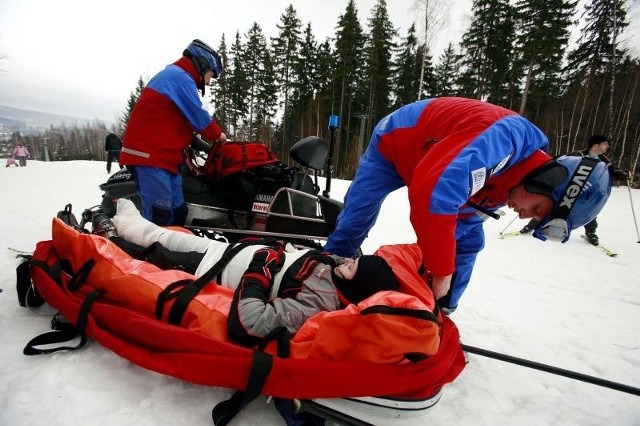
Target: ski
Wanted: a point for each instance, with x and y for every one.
(19, 251)
(504, 235)
(601, 247)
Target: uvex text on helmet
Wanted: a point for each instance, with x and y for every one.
(579, 188)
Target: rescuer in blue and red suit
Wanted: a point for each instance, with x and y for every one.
(463, 159)
(161, 126)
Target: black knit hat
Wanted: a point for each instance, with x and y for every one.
(596, 139)
(373, 275)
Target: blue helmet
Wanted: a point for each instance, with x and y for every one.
(204, 58)
(579, 188)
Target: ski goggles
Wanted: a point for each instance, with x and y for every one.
(554, 228)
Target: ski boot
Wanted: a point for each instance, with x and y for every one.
(102, 225)
(592, 238)
(526, 229)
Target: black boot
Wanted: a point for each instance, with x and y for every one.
(592, 238)
(590, 232)
(530, 226)
(102, 225)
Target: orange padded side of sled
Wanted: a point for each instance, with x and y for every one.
(360, 370)
(373, 337)
(344, 334)
(137, 284)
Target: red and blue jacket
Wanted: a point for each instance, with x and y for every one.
(164, 119)
(448, 152)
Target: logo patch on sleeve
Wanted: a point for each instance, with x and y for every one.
(478, 177)
(501, 164)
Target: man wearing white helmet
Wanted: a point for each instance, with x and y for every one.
(161, 126)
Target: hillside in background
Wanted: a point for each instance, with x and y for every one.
(28, 122)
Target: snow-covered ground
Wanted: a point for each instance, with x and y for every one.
(566, 305)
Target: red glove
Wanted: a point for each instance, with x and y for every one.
(255, 284)
(266, 263)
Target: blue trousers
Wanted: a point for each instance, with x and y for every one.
(161, 196)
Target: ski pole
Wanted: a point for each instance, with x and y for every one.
(633, 212)
(553, 370)
(508, 225)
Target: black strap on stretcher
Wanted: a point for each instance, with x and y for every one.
(184, 291)
(64, 331)
(27, 295)
(261, 364)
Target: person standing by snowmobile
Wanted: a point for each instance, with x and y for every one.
(462, 159)
(161, 126)
(597, 147)
(112, 145)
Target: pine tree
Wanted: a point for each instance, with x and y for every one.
(488, 51)
(378, 59)
(348, 75)
(597, 53)
(325, 97)
(286, 54)
(429, 83)
(446, 73)
(254, 59)
(266, 101)
(603, 21)
(219, 88)
(543, 35)
(307, 82)
(133, 99)
(238, 87)
(407, 70)
(433, 20)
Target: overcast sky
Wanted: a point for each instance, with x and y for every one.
(83, 58)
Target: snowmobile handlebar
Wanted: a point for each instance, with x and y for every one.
(199, 144)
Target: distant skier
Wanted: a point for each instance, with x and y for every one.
(21, 153)
(112, 145)
(11, 161)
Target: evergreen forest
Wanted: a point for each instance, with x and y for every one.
(562, 65)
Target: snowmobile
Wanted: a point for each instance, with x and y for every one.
(264, 200)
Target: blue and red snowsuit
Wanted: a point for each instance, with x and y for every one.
(448, 152)
(161, 126)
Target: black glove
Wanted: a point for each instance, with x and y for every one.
(620, 174)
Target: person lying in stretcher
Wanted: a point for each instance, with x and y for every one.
(275, 285)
